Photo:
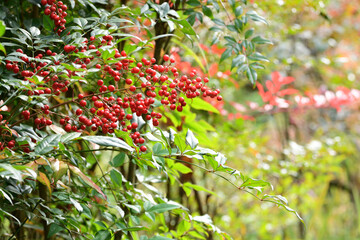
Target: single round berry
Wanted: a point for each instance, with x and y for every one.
(111, 88)
(143, 148)
(79, 111)
(68, 127)
(134, 125)
(83, 103)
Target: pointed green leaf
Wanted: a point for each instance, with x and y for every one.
(108, 142)
(162, 207)
(191, 139)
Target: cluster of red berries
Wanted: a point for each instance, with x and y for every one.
(125, 88)
(57, 12)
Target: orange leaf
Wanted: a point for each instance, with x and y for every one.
(288, 91)
(44, 180)
(86, 179)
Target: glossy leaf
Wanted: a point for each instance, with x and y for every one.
(108, 142)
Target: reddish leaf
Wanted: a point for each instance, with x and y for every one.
(86, 179)
(288, 91)
(213, 69)
(44, 180)
(287, 80)
(270, 86)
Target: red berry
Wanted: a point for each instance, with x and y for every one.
(135, 70)
(26, 114)
(128, 81)
(79, 111)
(37, 121)
(11, 144)
(83, 103)
(67, 48)
(111, 88)
(132, 88)
(100, 82)
(68, 127)
(134, 125)
(166, 57)
(143, 148)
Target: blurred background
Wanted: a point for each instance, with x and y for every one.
(310, 154)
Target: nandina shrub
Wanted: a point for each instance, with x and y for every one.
(124, 90)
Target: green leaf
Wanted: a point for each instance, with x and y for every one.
(238, 11)
(251, 75)
(255, 17)
(207, 11)
(108, 142)
(181, 168)
(184, 226)
(249, 33)
(118, 160)
(69, 136)
(125, 136)
(239, 25)
(162, 207)
(260, 40)
(144, 9)
(231, 2)
(191, 139)
(81, 22)
(218, 22)
(238, 60)
(76, 205)
(48, 23)
(102, 235)
(197, 188)
(6, 196)
(258, 57)
(186, 27)
(34, 31)
(193, 3)
(230, 40)
(116, 177)
(180, 143)
(200, 104)
(72, 68)
(15, 173)
(2, 48)
(255, 183)
(232, 28)
(54, 229)
(226, 54)
(48, 144)
(160, 238)
(2, 28)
